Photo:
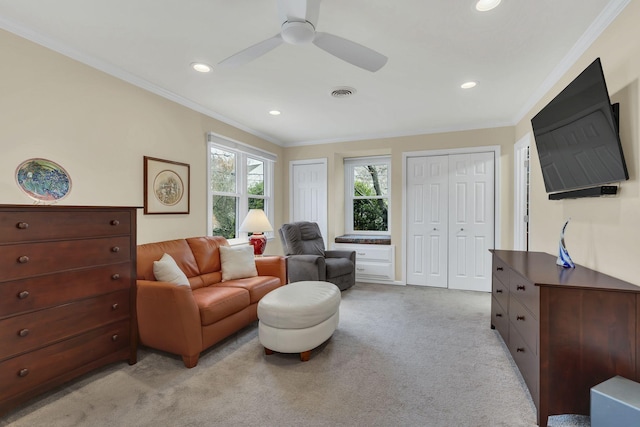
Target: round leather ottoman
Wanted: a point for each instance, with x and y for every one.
(298, 317)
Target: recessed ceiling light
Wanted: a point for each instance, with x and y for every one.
(468, 85)
(200, 67)
(485, 5)
(275, 112)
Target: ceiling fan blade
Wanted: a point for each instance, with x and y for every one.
(252, 52)
(351, 52)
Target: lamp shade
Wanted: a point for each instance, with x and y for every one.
(256, 221)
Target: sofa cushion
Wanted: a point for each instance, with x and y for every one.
(179, 251)
(217, 302)
(237, 262)
(206, 252)
(257, 286)
(166, 270)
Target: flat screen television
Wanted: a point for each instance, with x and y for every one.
(577, 137)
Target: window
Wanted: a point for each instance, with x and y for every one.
(367, 193)
(240, 178)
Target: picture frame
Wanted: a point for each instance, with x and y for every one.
(166, 187)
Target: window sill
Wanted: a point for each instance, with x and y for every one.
(361, 239)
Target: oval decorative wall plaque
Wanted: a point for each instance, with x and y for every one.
(43, 180)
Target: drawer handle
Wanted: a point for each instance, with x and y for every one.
(498, 291)
(115, 222)
(114, 306)
(520, 318)
(23, 259)
(500, 269)
(23, 294)
(114, 337)
(22, 225)
(520, 288)
(115, 276)
(520, 350)
(23, 332)
(498, 314)
(23, 372)
(115, 249)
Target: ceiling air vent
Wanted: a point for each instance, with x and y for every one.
(343, 92)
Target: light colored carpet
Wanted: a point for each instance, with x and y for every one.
(402, 356)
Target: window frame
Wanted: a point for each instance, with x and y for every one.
(349, 165)
(243, 152)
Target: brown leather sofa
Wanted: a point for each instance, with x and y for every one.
(186, 320)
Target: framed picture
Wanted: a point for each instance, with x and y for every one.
(166, 187)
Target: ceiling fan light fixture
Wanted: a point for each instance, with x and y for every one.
(468, 85)
(486, 5)
(201, 67)
(298, 32)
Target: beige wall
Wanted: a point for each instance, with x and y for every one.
(99, 128)
(603, 233)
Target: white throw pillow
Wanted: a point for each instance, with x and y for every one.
(237, 262)
(166, 270)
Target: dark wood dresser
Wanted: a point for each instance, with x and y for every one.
(567, 329)
(67, 295)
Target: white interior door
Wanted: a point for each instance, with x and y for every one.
(308, 190)
(471, 220)
(450, 220)
(427, 190)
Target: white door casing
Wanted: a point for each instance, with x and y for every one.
(521, 193)
(308, 192)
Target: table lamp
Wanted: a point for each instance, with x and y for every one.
(256, 222)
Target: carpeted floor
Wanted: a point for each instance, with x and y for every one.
(402, 356)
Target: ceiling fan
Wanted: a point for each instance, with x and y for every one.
(298, 19)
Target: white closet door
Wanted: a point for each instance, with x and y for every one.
(471, 220)
(427, 193)
(308, 190)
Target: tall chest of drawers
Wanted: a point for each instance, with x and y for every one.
(67, 295)
(566, 329)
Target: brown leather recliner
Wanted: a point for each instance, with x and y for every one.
(186, 320)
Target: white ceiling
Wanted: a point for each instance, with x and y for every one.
(515, 52)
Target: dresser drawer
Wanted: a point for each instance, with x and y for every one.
(526, 292)
(524, 322)
(39, 328)
(27, 226)
(46, 291)
(373, 253)
(526, 360)
(374, 270)
(500, 319)
(500, 292)
(23, 373)
(24, 260)
(500, 270)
